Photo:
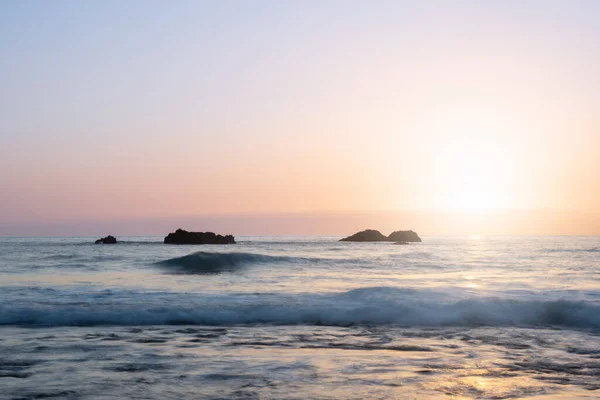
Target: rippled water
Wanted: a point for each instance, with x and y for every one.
(297, 318)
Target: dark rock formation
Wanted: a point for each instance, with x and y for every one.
(370, 235)
(404, 236)
(184, 237)
(107, 240)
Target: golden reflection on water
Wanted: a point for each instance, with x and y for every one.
(489, 387)
(470, 284)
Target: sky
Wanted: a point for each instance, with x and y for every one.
(299, 117)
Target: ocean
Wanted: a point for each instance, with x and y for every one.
(300, 318)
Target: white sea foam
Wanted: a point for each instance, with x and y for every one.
(364, 306)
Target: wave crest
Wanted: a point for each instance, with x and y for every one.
(214, 263)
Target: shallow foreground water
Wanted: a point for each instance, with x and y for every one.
(298, 318)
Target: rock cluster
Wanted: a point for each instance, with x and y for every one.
(371, 235)
(181, 236)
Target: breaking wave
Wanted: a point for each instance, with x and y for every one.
(214, 263)
(364, 306)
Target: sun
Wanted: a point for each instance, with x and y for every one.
(475, 198)
(473, 172)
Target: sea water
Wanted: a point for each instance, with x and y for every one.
(300, 318)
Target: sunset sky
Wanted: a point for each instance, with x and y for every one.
(299, 117)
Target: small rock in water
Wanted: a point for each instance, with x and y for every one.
(107, 240)
(404, 236)
(369, 235)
